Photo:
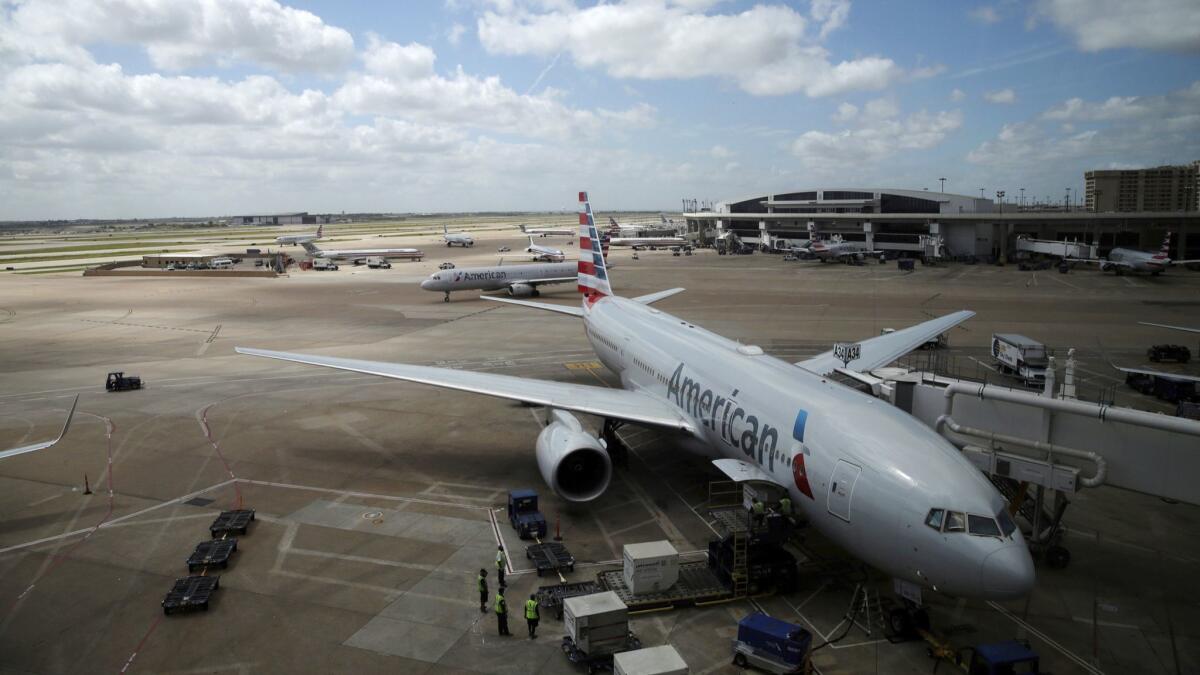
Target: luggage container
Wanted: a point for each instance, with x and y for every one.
(771, 644)
(650, 567)
(596, 624)
(664, 660)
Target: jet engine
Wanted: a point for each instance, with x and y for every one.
(573, 462)
(522, 290)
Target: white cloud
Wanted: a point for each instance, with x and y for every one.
(720, 152)
(1169, 25)
(765, 50)
(181, 34)
(1003, 96)
(984, 14)
(454, 35)
(875, 133)
(846, 113)
(957, 95)
(831, 14)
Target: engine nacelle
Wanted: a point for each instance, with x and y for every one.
(521, 290)
(573, 462)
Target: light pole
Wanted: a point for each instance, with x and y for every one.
(981, 192)
(943, 181)
(1067, 200)
(1022, 202)
(1000, 200)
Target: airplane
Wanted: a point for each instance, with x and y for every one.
(1163, 325)
(362, 254)
(1122, 260)
(298, 238)
(519, 280)
(875, 480)
(639, 243)
(13, 452)
(1161, 373)
(549, 231)
(461, 238)
(544, 253)
(838, 249)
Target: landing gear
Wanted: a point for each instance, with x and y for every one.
(617, 452)
(447, 298)
(1058, 557)
(908, 621)
(535, 293)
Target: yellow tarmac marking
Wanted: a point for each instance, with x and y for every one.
(582, 365)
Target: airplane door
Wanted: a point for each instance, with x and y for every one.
(841, 488)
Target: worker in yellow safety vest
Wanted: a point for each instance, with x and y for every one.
(758, 510)
(502, 612)
(532, 616)
(785, 506)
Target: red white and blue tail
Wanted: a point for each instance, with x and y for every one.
(593, 272)
(319, 229)
(1165, 251)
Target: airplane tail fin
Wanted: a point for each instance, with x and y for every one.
(1165, 251)
(593, 272)
(522, 226)
(445, 229)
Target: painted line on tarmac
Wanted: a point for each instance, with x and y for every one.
(1045, 638)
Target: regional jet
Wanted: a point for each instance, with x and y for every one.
(544, 253)
(299, 238)
(639, 243)
(838, 249)
(461, 238)
(361, 254)
(548, 231)
(519, 280)
(872, 478)
(13, 452)
(1121, 260)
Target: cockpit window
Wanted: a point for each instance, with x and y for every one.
(934, 519)
(983, 525)
(956, 522)
(1006, 522)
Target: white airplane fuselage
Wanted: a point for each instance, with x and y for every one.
(495, 278)
(868, 473)
(1138, 261)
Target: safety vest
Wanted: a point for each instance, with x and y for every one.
(758, 507)
(531, 609)
(499, 559)
(501, 607)
(785, 506)
(482, 584)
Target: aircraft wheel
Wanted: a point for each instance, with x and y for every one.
(447, 298)
(740, 661)
(535, 293)
(900, 622)
(1058, 557)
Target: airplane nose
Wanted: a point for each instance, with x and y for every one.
(1008, 573)
(427, 285)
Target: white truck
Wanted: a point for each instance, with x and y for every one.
(324, 264)
(378, 263)
(1021, 356)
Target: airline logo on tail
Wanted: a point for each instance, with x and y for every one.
(1165, 251)
(319, 229)
(593, 274)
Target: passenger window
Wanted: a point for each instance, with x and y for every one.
(934, 519)
(1006, 522)
(982, 525)
(956, 522)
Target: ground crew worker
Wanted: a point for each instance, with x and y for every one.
(758, 509)
(501, 612)
(483, 590)
(532, 616)
(500, 565)
(785, 506)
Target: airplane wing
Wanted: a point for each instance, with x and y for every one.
(1163, 325)
(1184, 262)
(44, 444)
(630, 406)
(1158, 373)
(882, 350)
(561, 309)
(549, 280)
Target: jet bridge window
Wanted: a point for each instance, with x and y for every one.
(956, 522)
(934, 519)
(983, 526)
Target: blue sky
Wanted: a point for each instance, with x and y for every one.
(190, 108)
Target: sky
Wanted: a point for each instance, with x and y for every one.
(158, 108)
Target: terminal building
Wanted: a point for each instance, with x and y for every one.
(300, 218)
(909, 222)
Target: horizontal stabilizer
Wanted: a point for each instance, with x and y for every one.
(44, 444)
(1179, 377)
(1163, 325)
(883, 349)
(652, 298)
(561, 309)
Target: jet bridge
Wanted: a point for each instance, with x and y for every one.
(1058, 249)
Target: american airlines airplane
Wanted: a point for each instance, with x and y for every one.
(548, 231)
(519, 280)
(838, 249)
(1121, 260)
(461, 238)
(299, 238)
(544, 253)
(362, 253)
(638, 243)
(872, 478)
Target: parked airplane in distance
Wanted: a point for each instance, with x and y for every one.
(639, 243)
(838, 249)
(1122, 260)
(544, 253)
(519, 280)
(875, 480)
(299, 238)
(461, 238)
(548, 231)
(361, 254)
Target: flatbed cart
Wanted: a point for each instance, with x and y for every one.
(550, 557)
(597, 662)
(190, 594)
(231, 522)
(213, 553)
(697, 584)
(551, 597)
